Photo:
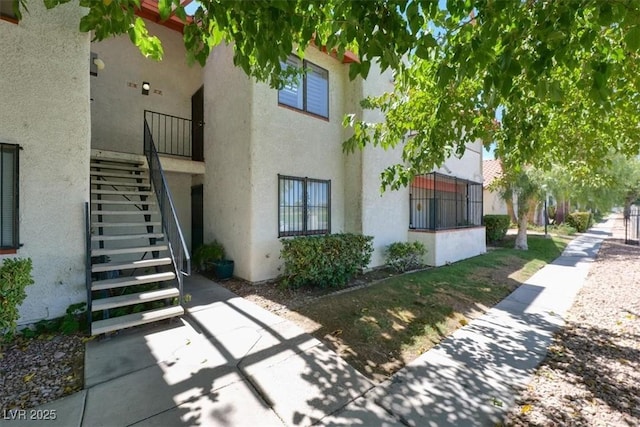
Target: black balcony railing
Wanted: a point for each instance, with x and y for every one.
(170, 224)
(439, 202)
(171, 134)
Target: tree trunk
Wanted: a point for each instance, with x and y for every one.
(524, 206)
(510, 211)
(521, 238)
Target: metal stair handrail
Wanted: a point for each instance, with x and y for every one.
(170, 223)
(87, 260)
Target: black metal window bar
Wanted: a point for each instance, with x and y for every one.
(171, 134)
(632, 225)
(440, 202)
(304, 206)
(9, 236)
(170, 224)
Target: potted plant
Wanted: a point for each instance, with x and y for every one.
(211, 256)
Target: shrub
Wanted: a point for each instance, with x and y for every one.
(15, 276)
(75, 320)
(324, 261)
(581, 221)
(403, 256)
(497, 226)
(208, 254)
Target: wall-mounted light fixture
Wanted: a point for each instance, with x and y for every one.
(145, 88)
(95, 65)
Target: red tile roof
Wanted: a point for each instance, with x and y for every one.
(491, 170)
(149, 10)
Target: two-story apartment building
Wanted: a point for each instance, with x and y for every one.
(243, 163)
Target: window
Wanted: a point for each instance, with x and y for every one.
(440, 202)
(8, 196)
(310, 92)
(304, 206)
(6, 11)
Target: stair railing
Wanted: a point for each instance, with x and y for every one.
(170, 223)
(87, 261)
(172, 133)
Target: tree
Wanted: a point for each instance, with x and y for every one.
(453, 68)
(523, 185)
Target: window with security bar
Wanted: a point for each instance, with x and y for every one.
(9, 196)
(304, 206)
(440, 202)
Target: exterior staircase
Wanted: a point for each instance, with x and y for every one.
(133, 277)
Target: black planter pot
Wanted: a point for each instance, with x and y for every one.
(223, 269)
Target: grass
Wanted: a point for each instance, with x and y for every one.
(380, 328)
(563, 229)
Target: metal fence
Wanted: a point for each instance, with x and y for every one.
(440, 202)
(632, 225)
(172, 135)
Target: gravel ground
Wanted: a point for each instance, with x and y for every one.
(39, 370)
(591, 376)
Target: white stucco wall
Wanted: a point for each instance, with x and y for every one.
(385, 216)
(228, 183)
(290, 142)
(492, 203)
(469, 166)
(44, 107)
(448, 246)
(117, 108)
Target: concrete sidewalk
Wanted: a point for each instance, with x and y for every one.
(229, 362)
(472, 377)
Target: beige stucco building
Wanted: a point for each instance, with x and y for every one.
(246, 164)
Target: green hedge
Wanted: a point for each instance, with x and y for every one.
(497, 226)
(324, 261)
(15, 276)
(402, 256)
(581, 221)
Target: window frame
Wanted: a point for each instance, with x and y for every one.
(436, 201)
(8, 16)
(305, 231)
(15, 231)
(308, 66)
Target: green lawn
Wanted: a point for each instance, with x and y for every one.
(380, 328)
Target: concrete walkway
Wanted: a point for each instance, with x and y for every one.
(232, 363)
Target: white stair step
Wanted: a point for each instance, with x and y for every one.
(143, 174)
(135, 212)
(123, 192)
(122, 322)
(125, 224)
(134, 250)
(105, 237)
(131, 299)
(123, 166)
(127, 265)
(120, 282)
(120, 183)
(121, 202)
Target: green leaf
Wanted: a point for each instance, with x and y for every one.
(445, 74)
(354, 70)
(632, 38)
(555, 92)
